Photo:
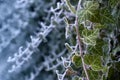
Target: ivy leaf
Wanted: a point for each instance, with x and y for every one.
(117, 49)
(99, 26)
(76, 59)
(93, 75)
(90, 12)
(94, 61)
(113, 3)
(77, 78)
(106, 16)
(117, 66)
(115, 54)
(113, 74)
(81, 28)
(89, 36)
(95, 16)
(92, 5)
(98, 48)
(71, 8)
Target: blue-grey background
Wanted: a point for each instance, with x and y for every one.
(22, 22)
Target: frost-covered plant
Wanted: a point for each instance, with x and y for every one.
(94, 44)
(43, 50)
(36, 28)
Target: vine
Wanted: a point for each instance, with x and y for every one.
(97, 46)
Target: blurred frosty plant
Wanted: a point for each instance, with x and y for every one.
(43, 50)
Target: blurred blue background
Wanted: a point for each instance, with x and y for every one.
(31, 39)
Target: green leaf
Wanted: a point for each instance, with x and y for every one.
(71, 8)
(91, 5)
(113, 3)
(81, 28)
(77, 78)
(90, 36)
(117, 66)
(68, 47)
(106, 16)
(105, 69)
(99, 26)
(76, 59)
(98, 48)
(115, 53)
(93, 75)
(90, 12)
(73, 38)
(115, 50)
(96, 67)
(94, 61)
(95, 16)
(113, 74)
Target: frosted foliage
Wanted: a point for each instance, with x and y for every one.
(32, 39)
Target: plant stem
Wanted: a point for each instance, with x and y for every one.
(79, 42)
